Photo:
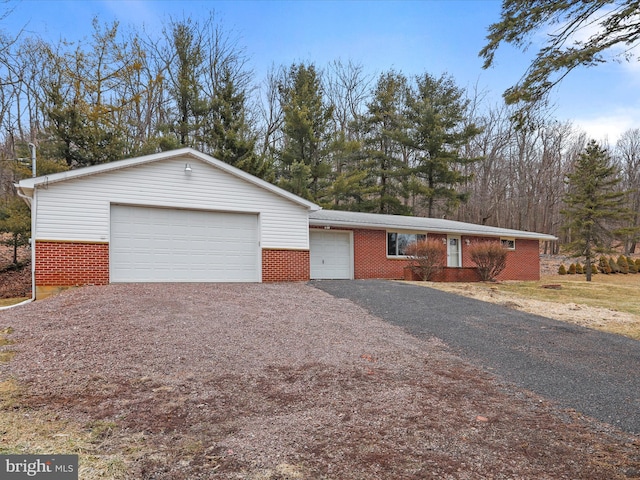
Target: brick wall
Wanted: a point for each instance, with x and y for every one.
(370, 256)
(371, 261)
(523, 263)
(71, 263)
(285, 265)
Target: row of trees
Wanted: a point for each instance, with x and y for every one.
(336, 135)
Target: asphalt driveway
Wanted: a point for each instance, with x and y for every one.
(595, 373)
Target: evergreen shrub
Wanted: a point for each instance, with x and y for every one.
(622, 264)
(613, 265)
(603, 265)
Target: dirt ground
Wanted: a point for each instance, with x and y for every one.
(278, 381)
(15, 282)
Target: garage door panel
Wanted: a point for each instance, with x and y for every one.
(330, 254)
(167, 245)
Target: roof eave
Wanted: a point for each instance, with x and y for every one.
(378, 226)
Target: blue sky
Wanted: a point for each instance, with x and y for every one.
(411, 36)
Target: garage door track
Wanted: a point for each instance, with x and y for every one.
(592, 372)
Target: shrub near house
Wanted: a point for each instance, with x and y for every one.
(490, 257)
(427, 257)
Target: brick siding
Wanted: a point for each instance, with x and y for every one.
(371, 261)
(523, 263)
(285, 265)
(370, 256)
(71, 263)
(77, 263)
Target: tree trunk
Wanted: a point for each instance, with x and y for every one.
(15, 249)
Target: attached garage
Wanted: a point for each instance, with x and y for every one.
(179, 245)
(176, 216)
(331, 254)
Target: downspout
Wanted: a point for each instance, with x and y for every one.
(31, 201)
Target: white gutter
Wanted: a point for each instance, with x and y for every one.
(31, 201)
(453, 230)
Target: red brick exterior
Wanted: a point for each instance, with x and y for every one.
(370, 256)
(285, 265)
(71, 263)
(77, 263)
(447, 274)
(371, 261)
(523, 263)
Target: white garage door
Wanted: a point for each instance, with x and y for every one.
(170, 245)
(330, 254)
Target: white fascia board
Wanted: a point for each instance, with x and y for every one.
(29, 184)
(459, 228)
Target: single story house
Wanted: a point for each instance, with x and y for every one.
(183, 216)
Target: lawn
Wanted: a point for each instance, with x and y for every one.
(6, 302)
(615, 292)
(607, 298)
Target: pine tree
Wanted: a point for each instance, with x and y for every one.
(303, 161)
(593, 204)
(226, 133)
(438, 128)
(85, 99)
(385, 128)
(581, 31)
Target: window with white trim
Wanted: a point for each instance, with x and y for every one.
(508, 243)
(398, 242)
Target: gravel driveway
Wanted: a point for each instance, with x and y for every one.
(593, 372)
(279, 381)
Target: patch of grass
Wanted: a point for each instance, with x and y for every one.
(615, 292)
(27, 431)
(7, 302)
(6, 355)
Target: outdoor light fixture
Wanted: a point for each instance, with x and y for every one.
(467, 241)
(187, 168)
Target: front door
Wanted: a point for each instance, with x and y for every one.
(453, 251)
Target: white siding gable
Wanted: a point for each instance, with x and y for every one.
(78, 209)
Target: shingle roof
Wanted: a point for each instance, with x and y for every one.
(338, 218)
